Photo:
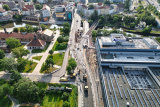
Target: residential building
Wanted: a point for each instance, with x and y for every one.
(46, 11)
(36, 44)
(16, 11)
(128, 68)
(31, 19)
(24, 38)
(11, 4)
(46, 35)
(3, 12)
(70, 11)
(117, 1)
(5, 15)
(28, 10)
(99, 7)
(59, 8)
(42, 1)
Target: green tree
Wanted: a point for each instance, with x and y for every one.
(69, 69)
(94, 16)
(50, 61)
(20, 52)
(7, 89)
(66, 29)
(26, 91)
(2, 54)
(18, 18)
(94, 33)
(107, 2)
(60, 39)
(8, 64)
(1, 92)
(12, 43)
(43, 26)
(51, 52)
(15, 76)
(147, 30)
(140, 9)
(61, 46)
(16, 30)
(65, 96)
(38, 6)
(66, 104)
(72, 63)
(29, 28)
(127, 4)
(22, 29)
(21, 63)
(6, 7)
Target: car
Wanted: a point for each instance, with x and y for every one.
(63, 79)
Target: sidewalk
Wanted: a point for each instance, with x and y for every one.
(45, 55)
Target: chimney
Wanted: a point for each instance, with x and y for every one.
(5, 30)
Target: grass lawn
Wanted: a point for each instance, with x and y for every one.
(8, 25)
(55, 99)
(54, 47)
(51, 69)
(41, 50)
(30, 67)
(37, 58)
(58, 58)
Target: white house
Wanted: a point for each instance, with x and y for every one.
(59, 8)
(46, 11)
(36, 44)
(99, 7)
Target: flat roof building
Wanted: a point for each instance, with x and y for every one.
(128, 69)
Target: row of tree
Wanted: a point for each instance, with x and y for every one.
(29, 28)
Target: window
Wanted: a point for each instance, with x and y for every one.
(130, 58)
(150, 57)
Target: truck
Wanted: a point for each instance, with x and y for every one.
(86, 90)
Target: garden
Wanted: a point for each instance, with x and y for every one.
(45, 97)
(55, 59)
(37, 58)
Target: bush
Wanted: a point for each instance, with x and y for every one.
(65, 96)
(61, 46)
(37, 50)
(66, 104)
(62, 39)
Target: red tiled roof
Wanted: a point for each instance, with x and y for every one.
(2, 10)
(29, 7)
(37, 42)
(17, 35)
(100, 4)
(24, 9)
(103, 7)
